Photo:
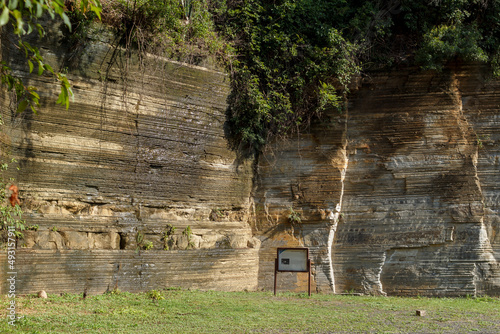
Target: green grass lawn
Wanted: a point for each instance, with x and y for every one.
(186, 311)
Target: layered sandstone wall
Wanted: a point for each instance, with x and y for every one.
(396, 195)
(138, 161)
(399, 194)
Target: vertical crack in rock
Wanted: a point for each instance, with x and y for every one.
(372, 282)
(485, 258)
(336, 214)
(379, 276)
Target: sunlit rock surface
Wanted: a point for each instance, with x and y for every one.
(134, 187)
(412, 169)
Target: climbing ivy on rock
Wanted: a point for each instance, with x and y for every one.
(292, 62)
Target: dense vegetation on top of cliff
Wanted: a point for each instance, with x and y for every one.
(289, 60)
(293, 56)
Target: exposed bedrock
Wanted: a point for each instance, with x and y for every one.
(134, 187)
(413, 169)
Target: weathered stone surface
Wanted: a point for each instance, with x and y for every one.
(75, 240)
(397, 195)
(412, 170)
(98, 271)
(139, 150)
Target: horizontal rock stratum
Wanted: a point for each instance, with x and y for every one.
(398, 195)
(134, 187)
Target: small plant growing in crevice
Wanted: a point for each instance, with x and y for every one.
(479, 141)
(189, 235)
(33, 227)
(167, 236)
(139, 238)
(141, 243)
(294, 217)
(54, 229)
(217, 214)
(147, 245)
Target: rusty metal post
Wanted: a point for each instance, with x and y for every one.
(309, 277)
(275, 274)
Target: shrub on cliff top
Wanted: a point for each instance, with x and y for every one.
(178, 29)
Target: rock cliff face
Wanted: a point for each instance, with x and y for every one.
(399, 195)
(134, 188)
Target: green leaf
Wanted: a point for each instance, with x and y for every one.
(96, 8)
(66, 20)
(83, 5)
(12, 4)
(21, 44)
(4, 18)
(30, 64)
(17, 14)
(27, 45)
(41, 32)
(49, 68)
(63, 96)
(40, 68)
(22, 105)
(39, 9)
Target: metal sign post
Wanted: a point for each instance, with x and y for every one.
(292, 260)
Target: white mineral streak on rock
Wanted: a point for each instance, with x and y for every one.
(334, 216)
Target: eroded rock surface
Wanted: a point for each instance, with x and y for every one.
(412, 167)
(134, 187)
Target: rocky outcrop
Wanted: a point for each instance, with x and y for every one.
(412, 169)
(134, 187)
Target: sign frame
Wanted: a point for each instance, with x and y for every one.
(298, 260)
(294, 259)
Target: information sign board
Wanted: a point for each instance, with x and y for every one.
(293, 259)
